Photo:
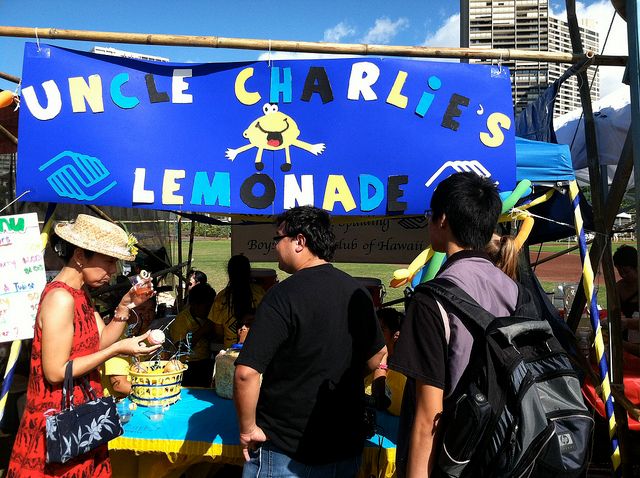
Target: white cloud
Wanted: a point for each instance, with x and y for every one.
(384, 30)
(601, 13)
(336, 33)
(447, 35)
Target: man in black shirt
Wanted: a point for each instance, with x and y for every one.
(314, 337)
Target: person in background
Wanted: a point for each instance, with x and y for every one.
(116, 381)
(314, 336)
(144, 315)
(625, 260)
(194, 320)
(385, 385)
(504, 250)
(235, 300)
(68, 328)
(503, 253)
(195, 277)
(244, 324)
(465, 209)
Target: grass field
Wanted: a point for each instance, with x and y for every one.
(211, 256)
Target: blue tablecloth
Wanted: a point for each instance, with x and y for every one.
(201, 426)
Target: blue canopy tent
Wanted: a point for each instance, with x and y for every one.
(549, 165)
(542, 162)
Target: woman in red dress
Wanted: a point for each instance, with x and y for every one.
(68, 328)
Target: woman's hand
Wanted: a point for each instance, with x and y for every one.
(138, 294)
(136, 346)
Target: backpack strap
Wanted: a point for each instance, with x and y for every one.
(465, 306)
(445, 321)
(462, 303)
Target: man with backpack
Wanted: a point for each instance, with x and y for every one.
(476, 369)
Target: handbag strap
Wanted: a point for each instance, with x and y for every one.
(67, 387)
(87, 389)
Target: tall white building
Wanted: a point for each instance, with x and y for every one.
(526, 25)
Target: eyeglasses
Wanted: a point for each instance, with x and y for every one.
(277, 239)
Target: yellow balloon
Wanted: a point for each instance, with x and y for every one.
(404, 276)
(6, 98)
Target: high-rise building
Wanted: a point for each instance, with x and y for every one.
(526, 25)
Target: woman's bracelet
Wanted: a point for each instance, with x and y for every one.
(117, 318)
(383, 366)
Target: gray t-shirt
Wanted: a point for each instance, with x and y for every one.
(423, 352)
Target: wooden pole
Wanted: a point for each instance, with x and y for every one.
(8, 77)
(192, 234)
(180, 291)
(616, 434)
(504, 54)
(558, 254)
(614, 199)
(8, 134)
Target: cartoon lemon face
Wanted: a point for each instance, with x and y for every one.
(275, 130)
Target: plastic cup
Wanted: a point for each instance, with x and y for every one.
(124, 410)
(155, 413)
(140, 283)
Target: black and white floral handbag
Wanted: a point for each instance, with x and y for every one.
(77, 429)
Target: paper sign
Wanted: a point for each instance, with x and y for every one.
(23, 275)
(355, 136)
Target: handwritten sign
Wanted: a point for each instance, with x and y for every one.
(23, 275)
(355, 136)
(376, 240)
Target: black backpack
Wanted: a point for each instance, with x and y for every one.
(517, 410)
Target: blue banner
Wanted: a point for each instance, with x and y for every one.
(357, 136)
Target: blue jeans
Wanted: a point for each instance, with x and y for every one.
(269, 462)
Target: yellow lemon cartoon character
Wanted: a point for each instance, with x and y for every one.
(273, 131)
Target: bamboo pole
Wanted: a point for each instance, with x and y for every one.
(504, 54)
(4, 131)
(8, 77)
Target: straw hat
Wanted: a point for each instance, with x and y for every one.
(98, 235)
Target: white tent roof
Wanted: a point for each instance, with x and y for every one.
(612, 115)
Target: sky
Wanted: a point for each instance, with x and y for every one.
(402, 22)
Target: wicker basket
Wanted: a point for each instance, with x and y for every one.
(155, 387)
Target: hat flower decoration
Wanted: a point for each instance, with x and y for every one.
(131, 244)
